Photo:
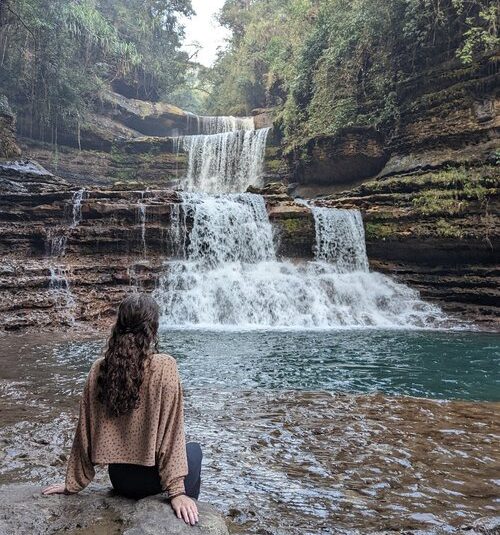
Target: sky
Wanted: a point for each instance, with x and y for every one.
(204, 29)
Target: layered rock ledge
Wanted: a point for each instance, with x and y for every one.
(24, 510)
(63, 262)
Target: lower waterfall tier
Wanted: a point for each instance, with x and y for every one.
(230, 274)
(282, 294)
(114, 242)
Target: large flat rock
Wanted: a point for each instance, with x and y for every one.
(24, 510)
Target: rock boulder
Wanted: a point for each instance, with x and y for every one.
(24, 510)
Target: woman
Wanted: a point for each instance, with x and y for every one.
(131, 418)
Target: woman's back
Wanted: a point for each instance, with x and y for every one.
(131, 417)
(150, 434)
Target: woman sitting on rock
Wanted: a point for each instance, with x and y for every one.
(131, 418)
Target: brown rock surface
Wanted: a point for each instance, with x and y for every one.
(352, 154)
(8, 145)
(25, 510)
(438, 232)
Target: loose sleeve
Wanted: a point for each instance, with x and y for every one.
(80, 471)
(172, 460)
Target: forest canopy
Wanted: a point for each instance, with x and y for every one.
(56, 56)
(327, 64)
(320, 64)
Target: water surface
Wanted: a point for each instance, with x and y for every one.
(303, 432)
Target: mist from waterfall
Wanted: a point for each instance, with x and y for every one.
(228, 274)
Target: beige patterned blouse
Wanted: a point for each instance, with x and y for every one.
(152, 434)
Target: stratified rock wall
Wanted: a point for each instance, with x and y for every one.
(438, 231)
(70, 255)
(447, 114)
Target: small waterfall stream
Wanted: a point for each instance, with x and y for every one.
(141, 216)
(340, 238)
(59, 285)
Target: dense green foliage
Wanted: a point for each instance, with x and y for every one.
(56, 56)
(322, 64)
(327, 64)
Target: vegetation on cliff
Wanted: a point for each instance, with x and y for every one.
(332, 64)
(57, 55)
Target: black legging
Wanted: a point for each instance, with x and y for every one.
(136, 481)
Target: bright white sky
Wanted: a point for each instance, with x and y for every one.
(204, 29)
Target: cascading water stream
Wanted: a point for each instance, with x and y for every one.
(340, 238)
(141, 216)
(59, 285)
(225, 155)
(229, 274)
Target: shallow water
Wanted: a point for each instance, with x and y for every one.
(303, 432)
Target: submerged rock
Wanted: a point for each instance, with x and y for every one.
(25, 510)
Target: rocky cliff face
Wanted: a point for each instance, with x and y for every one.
(436, 231)
(447, 114)
(128, 140)
(428, 189)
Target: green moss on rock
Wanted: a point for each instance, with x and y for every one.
(380, 231)
(293, 224)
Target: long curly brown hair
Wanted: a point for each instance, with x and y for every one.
(134, 337)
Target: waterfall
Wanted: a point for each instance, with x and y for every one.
(77, 207)
(60, 290)
(141, 216)
(226, 155)
(204, 124)
(227, 228)
(57, 240)
(228, 274)
(340, 238)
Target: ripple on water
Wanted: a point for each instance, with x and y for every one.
(289, 460)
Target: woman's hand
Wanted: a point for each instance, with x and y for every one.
(55, 488)
(185, 508)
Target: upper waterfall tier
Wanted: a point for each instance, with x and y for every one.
(205, 124)
(224, 162)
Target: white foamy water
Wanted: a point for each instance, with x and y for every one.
(205, 124)
(340, 238)
(229, 274)
(226, 155)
